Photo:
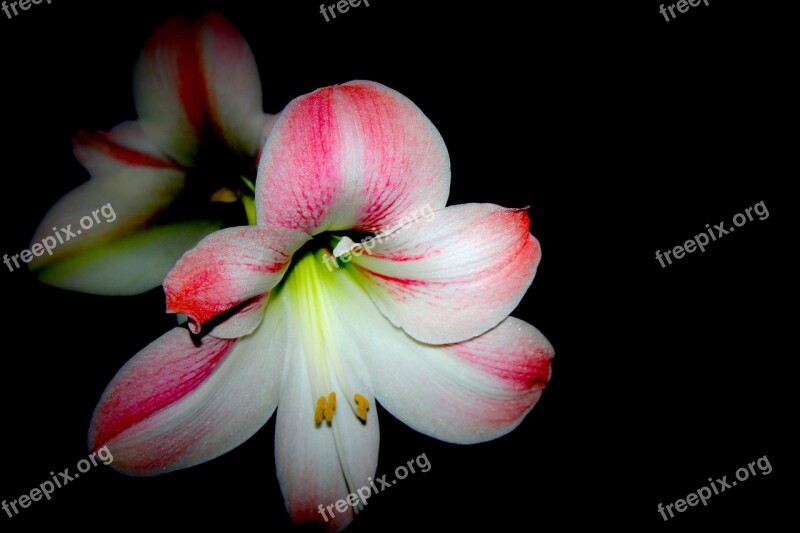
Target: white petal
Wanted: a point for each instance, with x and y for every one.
(320, 464)
(309, 461)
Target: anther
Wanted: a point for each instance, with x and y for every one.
(362, 404)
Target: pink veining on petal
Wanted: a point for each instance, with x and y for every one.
(384, 157)
(179, 44)
(174, 368)
(513, 268)
(308, 150)
(104, 143)
(518, 358)
(398, 143)
(354, 156)
(227, 268)
(232, 88)
(179, 38)
(183, 299)
(520, 367)
(205, 273)
(402, 289)
(516, 262)
(471, 263)
(192, 83)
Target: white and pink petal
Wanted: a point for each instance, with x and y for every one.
(170, 91)
(452, 274)
(199, 79)
(126, 145)
(177, 404)
(353, 156)
(233, 86)
(468, 392)
(227, 268)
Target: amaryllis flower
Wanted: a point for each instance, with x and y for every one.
(294, 315)
(171, 177)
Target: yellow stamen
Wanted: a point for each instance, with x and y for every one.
(330, 407)
(320, 410)
(362, 404)
(224, 195)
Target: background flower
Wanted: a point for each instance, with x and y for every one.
(179, 172)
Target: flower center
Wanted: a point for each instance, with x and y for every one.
(219, 186)
(312, 295)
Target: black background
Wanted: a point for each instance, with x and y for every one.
(623, 132)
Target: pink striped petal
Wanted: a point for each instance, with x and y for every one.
(233, 85)
(170, 90)
(464, 393)
(358, 155)
(228, 268)
(452, 274)
(126, 145)
(196, 79)
(175, 405)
